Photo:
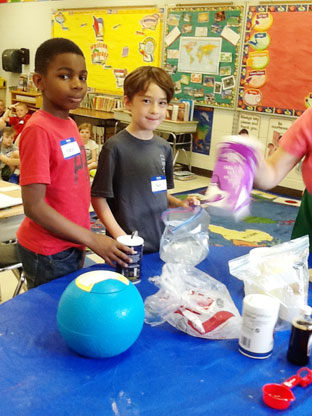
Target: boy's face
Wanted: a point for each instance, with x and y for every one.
(7, 139)
(148, 109)
(64, 85)
(85, 135)
(21, 111)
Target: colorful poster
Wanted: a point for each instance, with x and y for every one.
(276, 62)
(277, 127)
(114, 42)
(201, 53)
(249, 122)
(202, 137)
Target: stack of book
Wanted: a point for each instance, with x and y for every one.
(181, 111)
(183, 175)
(101, 102)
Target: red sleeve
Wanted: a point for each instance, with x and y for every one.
(34, 149)
(298, 138)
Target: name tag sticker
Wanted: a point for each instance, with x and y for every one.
(159, 184)
(70, 148)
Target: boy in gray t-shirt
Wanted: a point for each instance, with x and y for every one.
(135, 168)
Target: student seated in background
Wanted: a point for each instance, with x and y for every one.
(294, 146)
(135, 168)
(54, 175)
(85, 130)
(9, 156)
(2, 108)
(18, 119)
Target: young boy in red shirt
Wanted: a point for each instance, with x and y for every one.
(19, 119)
(54, 174)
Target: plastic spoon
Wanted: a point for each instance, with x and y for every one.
(280, 396)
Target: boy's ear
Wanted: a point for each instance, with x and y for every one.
(38, 81)
(127, 101)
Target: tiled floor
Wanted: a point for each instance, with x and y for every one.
(8, 281)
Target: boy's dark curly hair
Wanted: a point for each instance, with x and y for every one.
(50, 48)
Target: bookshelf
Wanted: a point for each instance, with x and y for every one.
(32, 99)
(2, 93)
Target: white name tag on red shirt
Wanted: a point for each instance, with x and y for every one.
(159, 184)
(70, 148)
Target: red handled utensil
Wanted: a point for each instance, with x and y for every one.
(280, 396)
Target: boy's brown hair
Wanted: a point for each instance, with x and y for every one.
(9, 131)
(140, 79)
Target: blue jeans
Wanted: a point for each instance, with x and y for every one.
(39, 269)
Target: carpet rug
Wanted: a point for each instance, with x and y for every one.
(270, 222)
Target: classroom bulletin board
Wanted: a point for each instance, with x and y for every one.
(201, 53)
(114, 42)
(276, 65)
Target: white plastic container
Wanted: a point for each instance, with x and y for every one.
(260, 313)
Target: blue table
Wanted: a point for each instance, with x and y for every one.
(165, 372)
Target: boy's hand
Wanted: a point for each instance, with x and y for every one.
(111, 250)
(190, 201)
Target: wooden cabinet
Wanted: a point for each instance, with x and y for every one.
(2, 93)
(32, 99)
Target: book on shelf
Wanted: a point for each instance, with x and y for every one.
(102, 102)
(181, 111)
(191, 105)
(183, 175)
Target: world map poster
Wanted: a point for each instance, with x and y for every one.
(201, 53)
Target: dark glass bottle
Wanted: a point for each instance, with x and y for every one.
(299, 342)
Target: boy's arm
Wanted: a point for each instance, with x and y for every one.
(92, 163)
(6, 115)
(174, 202)
(106, 216)
(39, 211)
(13, 160)
(271, 171)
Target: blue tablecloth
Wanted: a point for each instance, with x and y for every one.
(165, 372)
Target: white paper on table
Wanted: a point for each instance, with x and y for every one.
(9, 201)
(10, 188)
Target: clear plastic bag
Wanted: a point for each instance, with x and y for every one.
(186, 235)
(193, 302)
(280, 271)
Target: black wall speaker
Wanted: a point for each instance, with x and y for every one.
(12, 60)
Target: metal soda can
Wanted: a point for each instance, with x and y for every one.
(260, 313)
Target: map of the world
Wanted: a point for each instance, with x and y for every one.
(199, 54)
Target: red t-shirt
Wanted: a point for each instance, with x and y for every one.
(52, 153)
(19, 123)
(298, 141)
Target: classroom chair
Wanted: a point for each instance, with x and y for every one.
(9, 261)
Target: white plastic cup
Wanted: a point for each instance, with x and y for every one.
(133, 271)
(260, 313)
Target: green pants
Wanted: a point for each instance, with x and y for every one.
(303, 223)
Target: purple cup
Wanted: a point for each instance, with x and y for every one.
(233, 176)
